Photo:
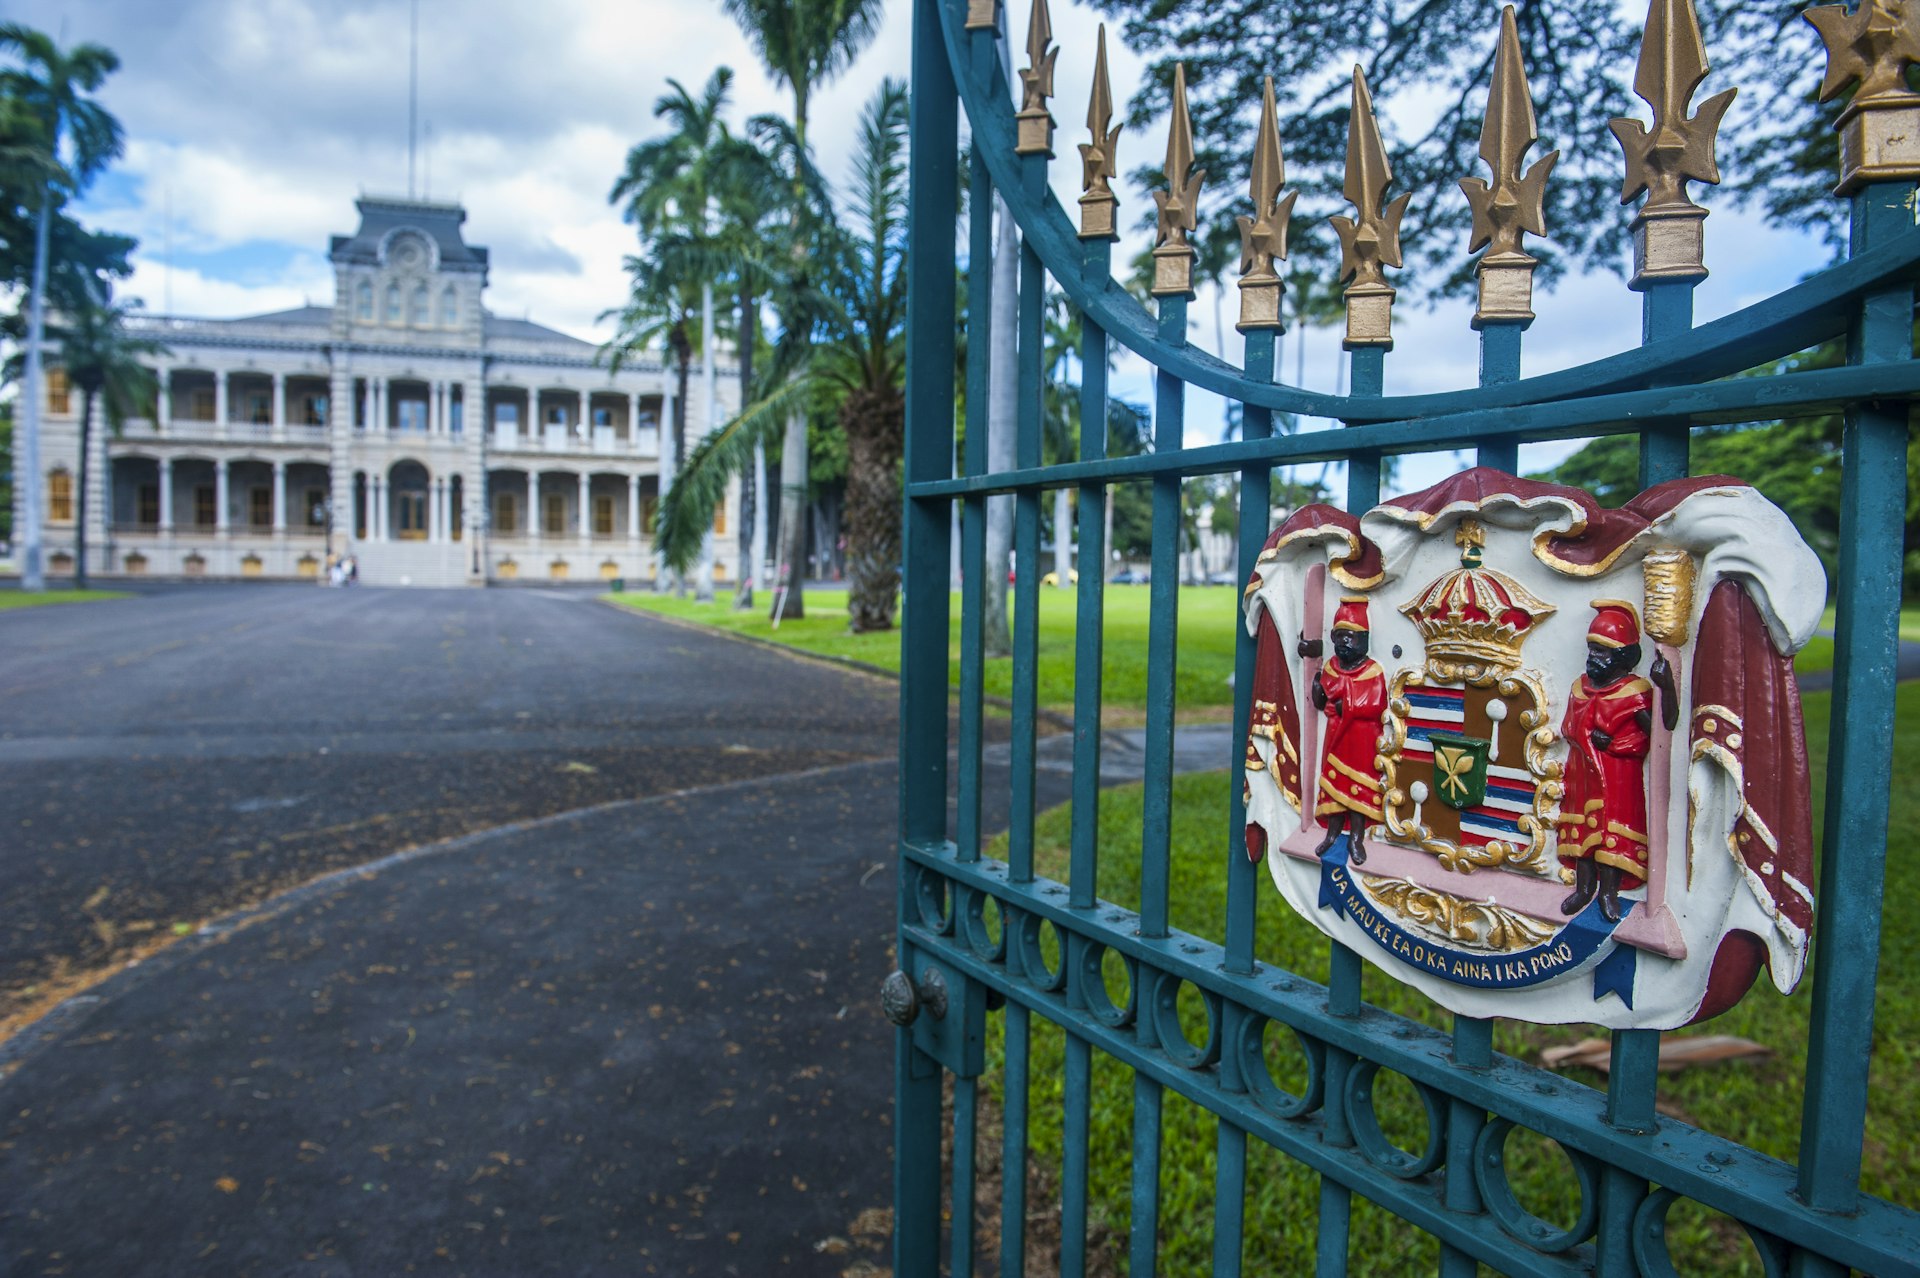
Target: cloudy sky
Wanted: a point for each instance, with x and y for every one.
(253, 124)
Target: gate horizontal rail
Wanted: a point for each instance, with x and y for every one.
(1631, 1164)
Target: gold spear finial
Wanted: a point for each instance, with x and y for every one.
(1512, 205)
(1034, 121)
(1880, 127)
(1100, 158)
(1667, 239)
(1264, 235)
(1173, 255)
(1369, 242)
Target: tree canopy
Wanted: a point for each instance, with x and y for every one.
(1429, 65)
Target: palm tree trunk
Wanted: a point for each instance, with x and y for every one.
(80, 492)
(1002, 411)
(875, 426)
(27, 512)
(684, 374)
(710, 388)
(749, 493)
(1062, 539)
(793, 518)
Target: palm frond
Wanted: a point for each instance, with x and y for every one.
(686, 511)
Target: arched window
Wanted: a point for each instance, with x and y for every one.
(449, 308)
(420, 318)
(393, 303)
(59, 497)
(363, 301)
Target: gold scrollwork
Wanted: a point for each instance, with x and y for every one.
(1481, 924)
(1538, 746)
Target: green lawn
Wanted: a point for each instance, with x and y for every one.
(25, 599)
(1209, 616)
(1756, 1104)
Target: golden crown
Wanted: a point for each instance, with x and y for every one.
(1475, 615)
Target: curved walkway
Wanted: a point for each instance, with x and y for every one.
(630, 1027)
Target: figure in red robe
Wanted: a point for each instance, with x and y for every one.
(1352, 692)
(1609, 729)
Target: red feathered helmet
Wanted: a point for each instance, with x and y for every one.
(1616, 623)
(1351, 614)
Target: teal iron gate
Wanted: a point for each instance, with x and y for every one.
(958, 970)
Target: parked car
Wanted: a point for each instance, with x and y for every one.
(1128, 577)
(1225, 577)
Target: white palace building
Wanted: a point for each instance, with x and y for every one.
(437, 443)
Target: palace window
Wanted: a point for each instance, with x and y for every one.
(260, 507)
(449, 308)
(363, 301)
(413, 415)
(455, 418)
(59, 497)
(147, 505)
(603, 515)
(313, 410)
(505, 514)
(203, 506)
(421, 318)
(720, 520)
(393, 303)
(59, 391)
(316, 507)
(603, 417)
(556, 512)
(200, 404)
(506, 415)
(260, 409)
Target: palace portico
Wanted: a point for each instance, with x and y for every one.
(405, 425)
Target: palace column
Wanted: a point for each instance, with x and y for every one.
(279, 402)
(586, 493)
(533, 509)
(377, 515)
(586, 420)
(220, 497)
(633, 421)
(433, 408)
(382, 407)
(166, 495)
(633, 508)
(279, 499)
(163, 405)
(220, 403)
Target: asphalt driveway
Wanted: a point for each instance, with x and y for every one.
(590, 990)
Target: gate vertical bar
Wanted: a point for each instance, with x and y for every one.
(973, 518)
(1472, 1049)
(1865, 650)
(933, 126)
(1230, 1159)
(1163, 610)
(1084, 846)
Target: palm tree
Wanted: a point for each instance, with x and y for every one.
(849, 359)
(864, 360)
(661, 310)
(103, 362)
(803, 44)
(670, 188)
(53, 84)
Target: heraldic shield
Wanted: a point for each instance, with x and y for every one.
(1539, 758)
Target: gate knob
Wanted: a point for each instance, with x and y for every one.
(901, 997)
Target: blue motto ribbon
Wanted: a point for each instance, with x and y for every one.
(1571, 946)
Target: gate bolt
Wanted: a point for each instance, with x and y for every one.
(901, 998)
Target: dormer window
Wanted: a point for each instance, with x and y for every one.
(420, 317)
(449, 308)
(393, 304)
(363, 301)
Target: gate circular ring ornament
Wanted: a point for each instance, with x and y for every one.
(933, 895)
(1650, 1239)
(1180, 1049)
(1364, 1121)
(1496, 1191)
(1033, 960)
(973, 924)
(1093, 985)
(1250, 1044)
(1581, 795)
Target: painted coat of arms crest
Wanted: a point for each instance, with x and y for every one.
(1539, 758)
